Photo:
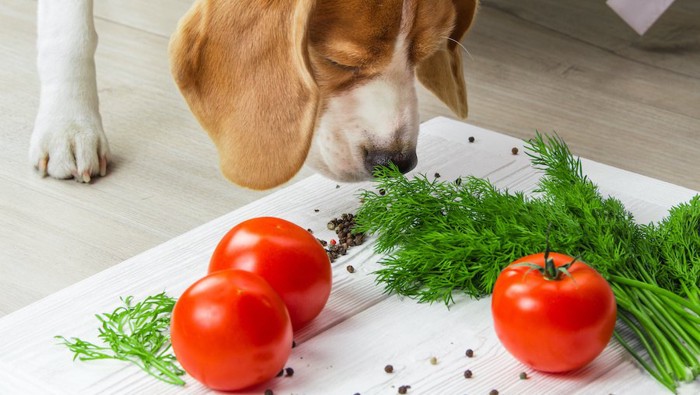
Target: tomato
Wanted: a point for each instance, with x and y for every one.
(288, 256)
(230, 330)
(553, 325)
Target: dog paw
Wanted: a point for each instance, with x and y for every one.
(69, 147)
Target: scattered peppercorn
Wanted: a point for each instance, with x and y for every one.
(337, 186)
(404, 389)
(437, 175)
(351, 269)
(316, 210)
(289, 372)
(382, 192)
(523, 376)
(493, 392)
(471, 139)
(269, 392)
(469, 353)
(343, 227)
(433, 360)
(389, 369)
(458, 181)
(514, 150)
(467, 374)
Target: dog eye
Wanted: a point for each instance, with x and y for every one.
(342, 66)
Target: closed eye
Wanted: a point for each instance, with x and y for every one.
(342, 66)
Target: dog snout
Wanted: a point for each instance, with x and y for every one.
(404, 161)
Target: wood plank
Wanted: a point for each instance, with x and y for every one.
(156, 16)
(672, 43)
(164, 180)
(361, 329)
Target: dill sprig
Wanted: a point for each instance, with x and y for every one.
(136, 333)
(442, 237)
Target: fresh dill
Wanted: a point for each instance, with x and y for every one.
(442, 237)
(136, 333)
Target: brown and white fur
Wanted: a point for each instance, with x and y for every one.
(276, 83)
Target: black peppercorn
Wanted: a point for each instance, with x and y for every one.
(467, 374)
(389, 369)
(469, 353)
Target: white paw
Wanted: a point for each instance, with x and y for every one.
(69, 145)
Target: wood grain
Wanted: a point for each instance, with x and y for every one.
(568, 66)
(361, 329)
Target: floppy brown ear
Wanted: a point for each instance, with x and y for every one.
(243, 68)
(442, 72)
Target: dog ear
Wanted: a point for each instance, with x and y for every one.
(244, 70)
(442, 72)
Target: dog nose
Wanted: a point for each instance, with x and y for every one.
(405, 162)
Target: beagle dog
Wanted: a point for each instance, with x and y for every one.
(278, 84)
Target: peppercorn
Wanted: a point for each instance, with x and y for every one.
(469, 353)
(514, 150)
(458, 182)
(437, 175)
(389, 369)
(433, 360)
(289, 372)
(382, 192)
(493, 392)
(404, 389)
(467, 374)
(268, 392)
(523, 376)
(351, 269)
(316, 210)
(471, 139)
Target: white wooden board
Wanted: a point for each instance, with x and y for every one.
(362, 329)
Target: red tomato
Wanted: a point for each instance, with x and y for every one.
(231, 330)
(553, 325)
(289, 257)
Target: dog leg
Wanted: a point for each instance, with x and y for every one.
(68, 139)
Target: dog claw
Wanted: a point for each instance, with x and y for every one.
(42, 165)
(103, 165)
(86, 177)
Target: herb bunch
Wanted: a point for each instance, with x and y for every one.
(136, 333)
(442, 237)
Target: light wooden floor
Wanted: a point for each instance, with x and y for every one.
(550, 65)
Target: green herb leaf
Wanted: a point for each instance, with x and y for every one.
(444, 237)
(136, 333)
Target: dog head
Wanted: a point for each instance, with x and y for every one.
(278, 83)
